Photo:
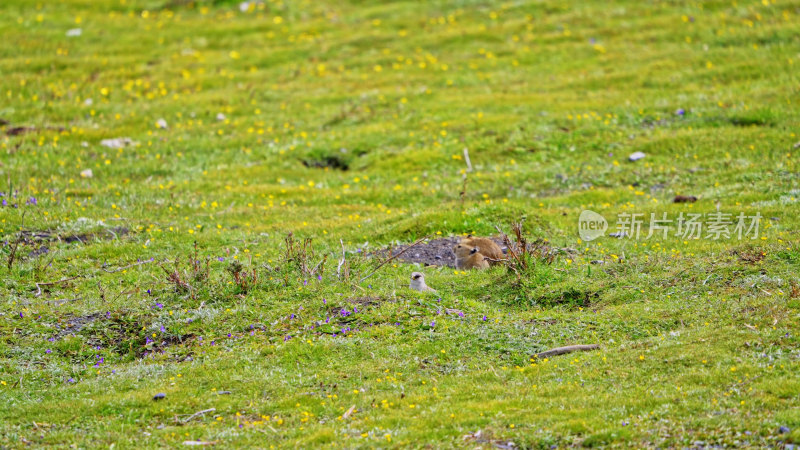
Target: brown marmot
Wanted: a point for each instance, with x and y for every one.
(486, 246)
(469, 258)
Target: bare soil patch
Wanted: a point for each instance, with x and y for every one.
(436, 252)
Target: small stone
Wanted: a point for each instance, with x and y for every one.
(159, 396)
(117, 143)
(598, 261)
(636, 156)
(75, 32)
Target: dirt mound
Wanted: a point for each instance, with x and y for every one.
(437, 252)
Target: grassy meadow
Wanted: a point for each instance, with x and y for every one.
(179, 182)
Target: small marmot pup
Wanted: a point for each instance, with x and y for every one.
(469, 258)
(487, 247)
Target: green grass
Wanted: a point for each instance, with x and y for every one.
(699, 337)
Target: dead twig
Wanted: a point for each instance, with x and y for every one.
(60, 302)
(343, 262)
(119, 269)
(198, 413)
(495, 260)
(320, 264)
(564, 350)
(392, 257)
(463, 192)
(53, 283)
(466, 159)
(13, 254)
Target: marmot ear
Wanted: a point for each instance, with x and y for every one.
(473, 251)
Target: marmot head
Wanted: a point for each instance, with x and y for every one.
(463, 251)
